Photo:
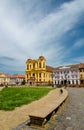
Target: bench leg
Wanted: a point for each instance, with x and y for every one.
(45, 120)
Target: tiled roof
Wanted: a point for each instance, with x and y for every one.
(6, 75)
(74, 66)
(18, 76)
(1, 73)
(57, 68)
(81, 65)
(49, 68)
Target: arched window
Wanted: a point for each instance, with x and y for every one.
(33, 74)
(30, 66)
(33, 65)
(27, 67)
(43, 64)
(40, 65)
(40, 75)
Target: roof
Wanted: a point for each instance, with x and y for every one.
(42, 57)
(74, 66)
(18, 76)
(34, 60)
(57, 68)
(29, 60)
(49, 68)
(81, 65)
(6, 75)
(1, 73)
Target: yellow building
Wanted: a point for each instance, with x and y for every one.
(81, 70)
(37, 72)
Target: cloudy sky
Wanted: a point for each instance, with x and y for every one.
(29, 28)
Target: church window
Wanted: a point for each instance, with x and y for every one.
(30, 66)
(27, 67)
(33, 65)
(40, 75)
(43, 64)
(40, 65)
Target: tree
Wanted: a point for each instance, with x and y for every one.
(23, 82)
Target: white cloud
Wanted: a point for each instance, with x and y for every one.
(79, 43)
(22, 37)
(79, 59)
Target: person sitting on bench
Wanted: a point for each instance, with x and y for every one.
(61, 91)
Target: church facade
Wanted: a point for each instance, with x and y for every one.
(37, 72)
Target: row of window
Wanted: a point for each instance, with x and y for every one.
(65, 72)
(33, 66)
(72, 76)
(39, 80)
(72, 71)
(81, 70)
(40, 75)
(68, 82)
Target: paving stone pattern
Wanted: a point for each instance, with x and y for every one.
(72, 117)
(69, 117)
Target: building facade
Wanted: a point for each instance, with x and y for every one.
(66, 75)
(17, 79)
(81, 70)
(4, 79)
(37, 72)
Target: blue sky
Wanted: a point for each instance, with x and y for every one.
(29, 28)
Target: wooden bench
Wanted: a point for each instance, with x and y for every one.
(39, 117)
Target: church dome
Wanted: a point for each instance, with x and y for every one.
(29, 60)
(42, 57)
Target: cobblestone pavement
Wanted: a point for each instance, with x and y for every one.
(72, 117)
(69, 117)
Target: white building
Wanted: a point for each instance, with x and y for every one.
(4, 79)
(66, 75)
(17, 79)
